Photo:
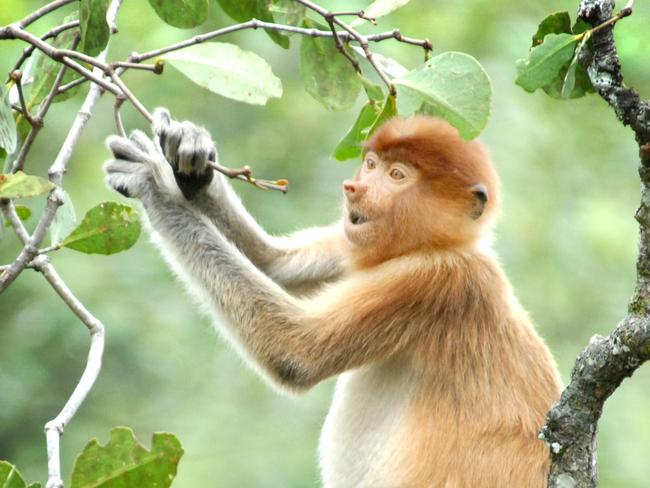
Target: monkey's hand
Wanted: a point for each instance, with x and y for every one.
(188, 148)
(139, 168)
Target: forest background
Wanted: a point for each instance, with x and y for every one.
(567, 239)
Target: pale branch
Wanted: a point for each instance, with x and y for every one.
(356, 13)
(71, 85)
(572, 424)
(258, 24)
(54, 428)
(30, 249)
(41, 12)
(9, 211)
(118, 118)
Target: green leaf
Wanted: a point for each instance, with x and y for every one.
(45, 69)
(65, 220)
(388, 111)
(374, 92)
(107, 228)
(10, 477)
(227, 70)
(287, 12)
(379, 8)
(546, 60)
(23, 127)
(556, 23)
(20, 185)
(23, 214)
(451, 85)
(183, 14)
(243, 10)
(95, 31)
(351, 145)
(580, 26)
(388, 65)
(327, 75)
(123, 462)
(8, 136)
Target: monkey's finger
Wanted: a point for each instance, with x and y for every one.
(119, 183)
(206, 150)
(170, 140)
(161, 120)
(120, 166)
(143, 142)
(123, 148)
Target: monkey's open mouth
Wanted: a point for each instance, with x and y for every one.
(356, 218)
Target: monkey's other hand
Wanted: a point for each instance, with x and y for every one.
(188, 148)
(139, 168)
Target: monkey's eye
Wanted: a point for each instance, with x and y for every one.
(397, 174)
(371, 163)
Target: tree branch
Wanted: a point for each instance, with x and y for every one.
(572, 424)
(54, 428)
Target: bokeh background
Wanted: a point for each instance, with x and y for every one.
(567, 239)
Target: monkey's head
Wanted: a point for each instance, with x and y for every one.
(420, 186)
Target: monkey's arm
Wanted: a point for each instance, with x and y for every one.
(305, 258)
(299, 261)
(297, 342)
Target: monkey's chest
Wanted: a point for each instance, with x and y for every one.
(357, 440)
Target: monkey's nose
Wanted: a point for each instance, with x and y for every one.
(354, 189)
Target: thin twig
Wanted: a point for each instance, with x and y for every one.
(71, 85)
(155, 68)
(119, 126)
(28, 51)
(258, 24)
(49, 249)
(9, 211)
(37, 121)
(339, 45)
(246, 174)
(130, 96)
(17, 76)
(46, 9)
(359, 13)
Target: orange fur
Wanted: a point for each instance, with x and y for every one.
(427, 302)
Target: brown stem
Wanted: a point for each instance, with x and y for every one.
(28, 51)
(37, 124)
(17, 77)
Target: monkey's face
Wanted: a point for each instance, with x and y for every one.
(374, 200)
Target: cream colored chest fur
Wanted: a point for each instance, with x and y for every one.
(366, 414)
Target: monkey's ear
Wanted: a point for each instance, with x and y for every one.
(480, 199)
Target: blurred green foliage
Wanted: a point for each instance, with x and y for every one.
(567, 239)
